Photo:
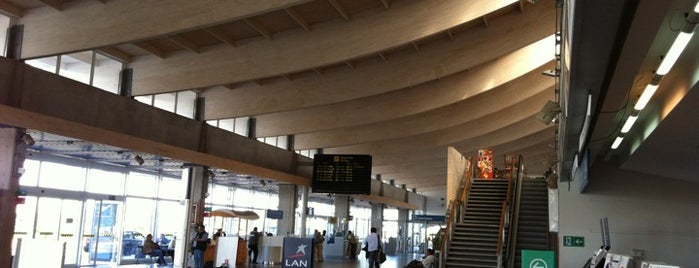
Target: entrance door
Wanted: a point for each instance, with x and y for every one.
(101, 226)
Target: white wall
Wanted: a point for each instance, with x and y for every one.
(657, 215)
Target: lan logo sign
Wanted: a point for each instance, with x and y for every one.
(298, 253)
(538, 259)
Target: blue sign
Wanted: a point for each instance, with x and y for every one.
(298, 252)
(275, 214)
(437, 218)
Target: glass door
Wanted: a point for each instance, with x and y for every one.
(101, 226)
(69, 229)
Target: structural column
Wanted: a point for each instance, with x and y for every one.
(342, 211)
(402, 230)
(377, 218)
(12, 152)
(288, 196)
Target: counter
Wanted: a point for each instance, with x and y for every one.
(271, 249)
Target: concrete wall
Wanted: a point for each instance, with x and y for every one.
(656, 215)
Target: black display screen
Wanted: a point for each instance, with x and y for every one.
(341, 174)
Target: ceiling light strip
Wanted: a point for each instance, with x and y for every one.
(617, 142)
(629, 123)
(668, 61)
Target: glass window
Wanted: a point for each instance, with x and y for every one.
(172, 188)
(390, 214)
(24, 221)
(185, 103)
(220, 194)
(107, 73)
(76, 66)
(59, 176)
(5, 25)
(271, 141)
(322, 209)
(226, 124)
(213, 123)
(147, 99)
(169, 212)
(139, 215)
(242, 197)
(282, 142)
(140, 184)
(105, 182)
(31, 173)
(165, 101)
(241, 126)
(47, 64)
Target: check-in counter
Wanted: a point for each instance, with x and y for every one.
(271, 249)
(334, 247)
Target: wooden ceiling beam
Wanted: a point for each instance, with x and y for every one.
(415, 46)
(350, 64)
(151, 49)
(116, 54)
(184, 42)
(55, 4)
(386, 3)
(220, 35)
(10, 9)
(340, 9)
(450, 34)
(258, 28)
(298, 18)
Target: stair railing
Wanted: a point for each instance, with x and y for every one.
(455, 211)
(512, 243)
(506, 214)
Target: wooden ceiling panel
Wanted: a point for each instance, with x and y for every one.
(201, 38)
(315, 12)
(359, 6)
(239, 31)
(277, 21)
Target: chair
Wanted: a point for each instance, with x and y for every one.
(142, 255)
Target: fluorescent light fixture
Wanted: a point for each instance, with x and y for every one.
(629, 123)
(645, 97)
(617, 142)
(674, 53)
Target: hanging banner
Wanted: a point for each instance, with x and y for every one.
(485, 164)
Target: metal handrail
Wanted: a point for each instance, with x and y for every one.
(515, 216)
(501, 235)
(459, 202)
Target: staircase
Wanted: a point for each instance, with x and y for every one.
(532, 225)
(475, 238)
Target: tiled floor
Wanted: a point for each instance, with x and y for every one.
(392, 261)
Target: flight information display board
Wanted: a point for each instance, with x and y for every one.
(342, 174)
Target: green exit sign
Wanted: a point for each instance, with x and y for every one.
(573, 241)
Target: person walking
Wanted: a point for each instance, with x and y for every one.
(199, 244)
(373, 246)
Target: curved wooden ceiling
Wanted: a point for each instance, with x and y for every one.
(400, 80)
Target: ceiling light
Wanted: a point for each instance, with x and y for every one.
(645, 97)
(28, 140)
(139, 159)
(617, 142)
(674, 53)
(629, 123)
